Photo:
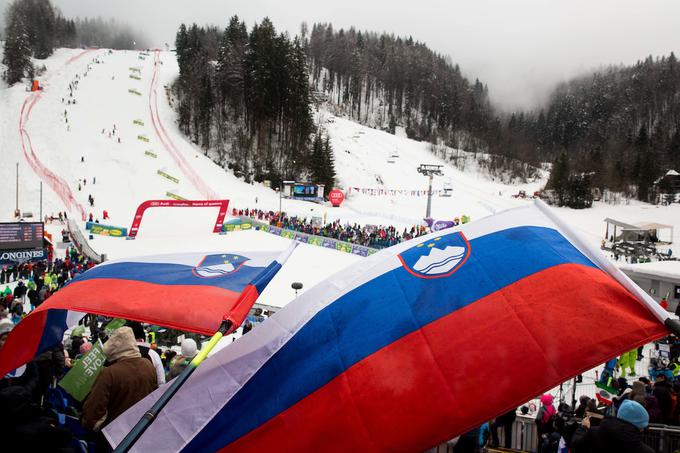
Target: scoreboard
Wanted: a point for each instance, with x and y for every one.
(21, 235)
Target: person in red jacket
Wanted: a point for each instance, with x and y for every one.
(664, 303)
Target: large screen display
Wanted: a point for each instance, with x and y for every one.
(21, 235)
(304, 190)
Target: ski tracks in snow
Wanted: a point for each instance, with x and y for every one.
(191, 174)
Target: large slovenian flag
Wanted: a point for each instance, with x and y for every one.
(191, 292)
(412, 346)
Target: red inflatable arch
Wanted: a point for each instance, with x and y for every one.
(222, 204)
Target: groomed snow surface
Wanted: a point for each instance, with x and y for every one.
(126, 176)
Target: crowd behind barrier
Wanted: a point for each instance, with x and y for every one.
(377, 237)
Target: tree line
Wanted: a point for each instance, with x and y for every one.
(385, 81)
(620, 124)
(34, 28)
(244, 96)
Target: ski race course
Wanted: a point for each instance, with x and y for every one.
(74, 150)
(105, 127)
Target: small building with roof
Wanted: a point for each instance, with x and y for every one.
(660, 279)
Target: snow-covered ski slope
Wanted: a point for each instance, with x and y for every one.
(49, 138)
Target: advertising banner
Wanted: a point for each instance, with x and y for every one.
(318, 241)
(180, 202)
(174, 196)
(151, 154)
(105, 230)
(168, 176)
(237, 225)
(13, 257)
(359, 250)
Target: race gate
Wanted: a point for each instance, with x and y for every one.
(222, 204)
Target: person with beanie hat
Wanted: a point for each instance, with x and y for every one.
(622, 433)
(119, 386)
(180, 362)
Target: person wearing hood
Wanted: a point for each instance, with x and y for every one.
(119, 386)
(622, 433)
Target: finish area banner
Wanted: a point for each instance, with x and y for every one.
(222, 204)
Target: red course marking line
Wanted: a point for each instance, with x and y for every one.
(76, 57)
(57, 184)
(162, 134)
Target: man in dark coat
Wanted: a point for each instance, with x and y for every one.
(614, 435)
(120, 385)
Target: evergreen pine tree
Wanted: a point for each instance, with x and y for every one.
(17, 56)
(559, 178)
(328, 164)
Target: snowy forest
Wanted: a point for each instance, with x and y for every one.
(383, 81)
(620, 124)
(245, 95)
(34, 28)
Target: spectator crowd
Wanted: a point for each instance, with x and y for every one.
(374, 236)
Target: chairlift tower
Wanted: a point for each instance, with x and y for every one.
(430, 171)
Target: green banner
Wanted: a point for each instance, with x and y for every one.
(113, 325)
(315, 240)
(151, 154)
(237, 227)
(167, 176)
(133, 91)
(288, 234)
(79, 380)
(175, 196)
(143, 138)
(343, 247)
(138, 122)
(106, 230)
(132, 76)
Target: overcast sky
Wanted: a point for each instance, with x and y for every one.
(520, 48)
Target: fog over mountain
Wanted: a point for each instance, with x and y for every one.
(521, 49)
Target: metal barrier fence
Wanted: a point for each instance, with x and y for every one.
(80, 241)
(661, 438)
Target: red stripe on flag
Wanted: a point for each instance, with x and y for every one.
(465, 368)
(22, 343)
(191, 308)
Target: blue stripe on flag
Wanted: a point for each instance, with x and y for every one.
(376, 314)
(53, 332)
(170, 274)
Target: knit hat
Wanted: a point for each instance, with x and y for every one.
(634, 413)
(189, 348)
(121, 345)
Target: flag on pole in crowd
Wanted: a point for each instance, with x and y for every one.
(412, 346)
(192, 292)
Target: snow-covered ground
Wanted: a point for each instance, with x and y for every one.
(68, 154)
